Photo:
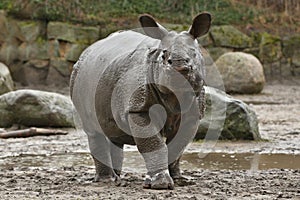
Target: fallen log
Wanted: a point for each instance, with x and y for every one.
(30, 132)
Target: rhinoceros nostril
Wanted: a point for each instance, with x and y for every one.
(182, 69)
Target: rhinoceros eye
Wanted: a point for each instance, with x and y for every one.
(165, 55)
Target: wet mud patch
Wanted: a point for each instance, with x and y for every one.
(59, 167)
(76, 183)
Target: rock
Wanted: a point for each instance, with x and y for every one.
(290, 45)
(10, 31)
(35, 72)
(176, 27)
(291, 51)
(216, 52)
(228, 36)
(227, 118)
(55, 78)
(35, 50)
(35, 108)
(17, 72)
(3, 31)
(241, 72)
(32, 30)
(62, 66)
(205, 40)
(9, 53)
(270, 48)
(54, 48)
(6, 82)
(72, 33)
(74, 52)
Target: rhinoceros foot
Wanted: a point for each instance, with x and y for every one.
(183, 180)
(114, 179)
(105, 174)
(161, 180)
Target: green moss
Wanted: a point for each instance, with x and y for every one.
(229, 36)
(267, 38)
(270, 48)
(41, 41)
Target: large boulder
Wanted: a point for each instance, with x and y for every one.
(241, 73)
(6, 82)
(35, 108)
(227, 118)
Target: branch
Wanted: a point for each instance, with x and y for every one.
(30, 132)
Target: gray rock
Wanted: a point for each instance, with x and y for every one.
(241, 73)
(74, 52)
(216, 52)
(3, 31)
(62, 66)
(35, 50)
(32, 30)
(10, 31)
(35, 108)
(228, 36)
(55, 78)
(8, 53)
(227, 118)
(270, 49)
(6, 82)
(291, 49)
(72, 33)
(35, 72)
(205, 40)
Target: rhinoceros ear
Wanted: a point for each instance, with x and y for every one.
(201, 25)
(151, 27)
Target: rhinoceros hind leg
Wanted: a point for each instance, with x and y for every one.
(105, 174)
(174, 169)
(100, 148)
(117, 157)
(176, 175)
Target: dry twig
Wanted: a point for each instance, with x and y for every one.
(30, 132)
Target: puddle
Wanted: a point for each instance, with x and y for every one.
(246, 161)
(133, 161)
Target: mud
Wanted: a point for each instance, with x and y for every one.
(59, 167)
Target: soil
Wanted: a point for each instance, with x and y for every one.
(59, 167)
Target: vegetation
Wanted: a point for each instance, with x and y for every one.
(242, 13)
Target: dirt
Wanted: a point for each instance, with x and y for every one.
(59, 167)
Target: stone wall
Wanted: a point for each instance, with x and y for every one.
(280, 56)
(40, 52)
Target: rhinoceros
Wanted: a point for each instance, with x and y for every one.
(142, 88)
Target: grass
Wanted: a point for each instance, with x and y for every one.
(241, 13)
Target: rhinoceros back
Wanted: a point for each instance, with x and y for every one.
(93, 62)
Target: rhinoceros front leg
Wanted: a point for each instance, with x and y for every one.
(100, 148)
(178, 138)
(154, 151)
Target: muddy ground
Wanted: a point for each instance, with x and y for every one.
(59, 167)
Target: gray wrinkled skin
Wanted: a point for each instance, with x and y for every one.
(131, 88)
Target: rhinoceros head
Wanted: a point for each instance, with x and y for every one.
(178, 52)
